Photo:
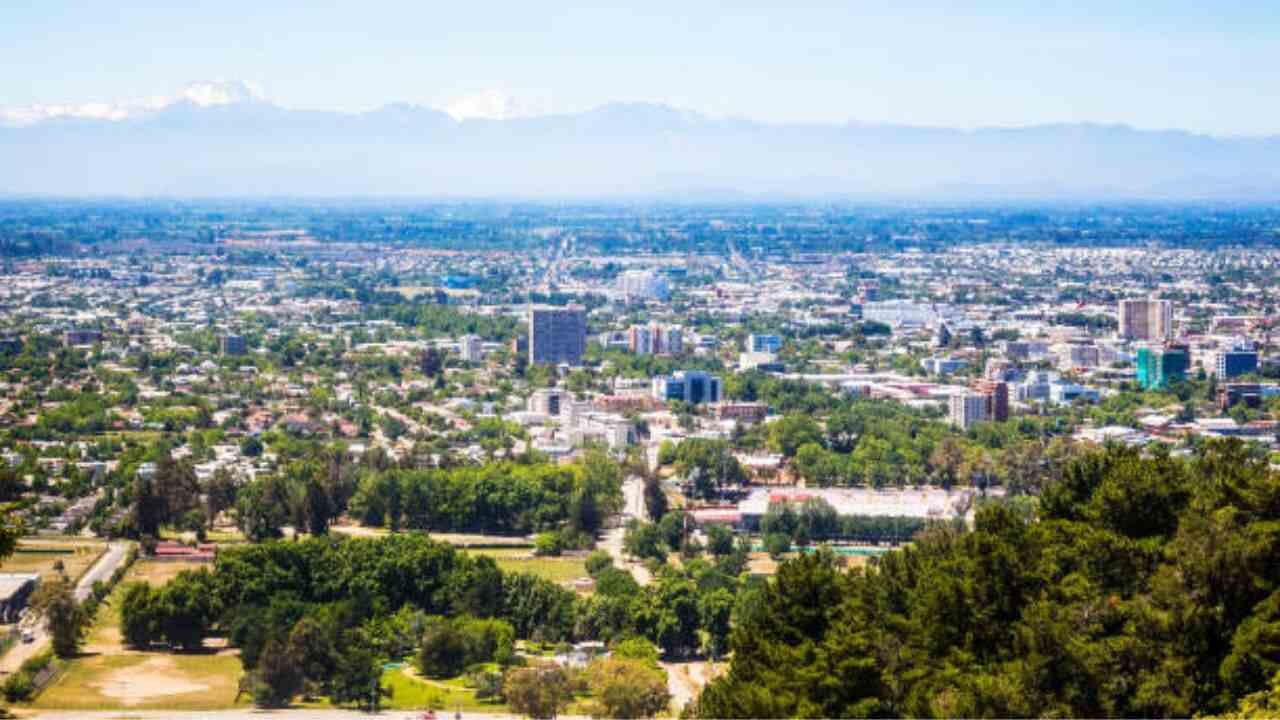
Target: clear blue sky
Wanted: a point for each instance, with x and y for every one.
(1203, 66)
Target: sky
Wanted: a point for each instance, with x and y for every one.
(1206, 67)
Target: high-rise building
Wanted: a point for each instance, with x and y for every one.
(557, 335)
(691, 386)
(1145, 319)
(655, 339)
(470, 348)
(996, 396)
(640, 339)
(967, 409)
(757, 343)
(234, 345)
(643, 285)
(673, 340)
(1159, 366)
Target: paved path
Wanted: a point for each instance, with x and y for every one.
(633, 507)
(101, 570)
(255, 714)
(680, 685)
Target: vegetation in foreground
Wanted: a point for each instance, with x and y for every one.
(1145, 585)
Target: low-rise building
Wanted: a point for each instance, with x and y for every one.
(15, 592)
(747, 413)
(691, 386)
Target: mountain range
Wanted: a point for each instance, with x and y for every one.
(233, 143)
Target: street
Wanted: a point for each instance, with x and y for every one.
(254, 714)
(101, 570)
(632, 508)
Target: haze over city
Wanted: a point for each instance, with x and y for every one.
(1182, 65)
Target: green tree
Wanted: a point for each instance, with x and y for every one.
(716, 609)
(55, 601)
(677, 622)
(655, 498)
(777, 544)
(318, 505)
(719, 540)
(644, 540)
(312, 649)
(790, 432)
(443, 652)
(263, 508)
(540, 691)
(139, 615)
(148, 507)
(9, 533)
(277, 678)
(708, 466)
(357, 674)
(624, 688)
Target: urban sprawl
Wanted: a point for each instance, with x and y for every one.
(571, 473)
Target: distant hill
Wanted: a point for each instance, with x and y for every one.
(246, 146)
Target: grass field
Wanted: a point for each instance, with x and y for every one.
(159, 573)
(409, 691)
(109, 676)
(460, 540)
(40, 557)
(555, 569)
(219, 535)
(145, 681)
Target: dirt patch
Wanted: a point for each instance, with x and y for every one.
(157, 677)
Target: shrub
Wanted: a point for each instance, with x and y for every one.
(548, 544)
(597, 561)
(18, 687)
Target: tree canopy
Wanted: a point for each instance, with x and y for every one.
(1144, 586)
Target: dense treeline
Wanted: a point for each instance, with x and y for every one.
(320, 615)
(861, 442)
(1145, 585)
(815, 520)
(502, 497)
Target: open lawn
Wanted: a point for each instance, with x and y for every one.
(759, 563)
(410, 691)
(220, 535)
(462, 540)
(142, 681)
(40, 557)
(555, 569)
(109, 676)
(159, 573)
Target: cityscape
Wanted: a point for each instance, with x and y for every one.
(549, 360)
(616, 430)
